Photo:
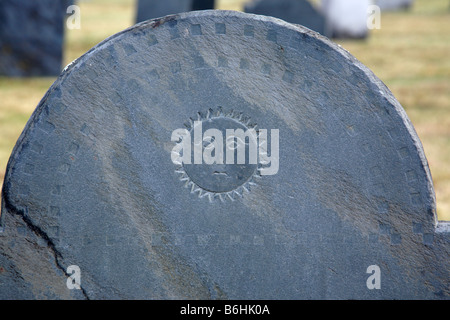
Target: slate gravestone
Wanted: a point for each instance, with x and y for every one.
(92, 183)
(393, 5)
(149, 9)
(293, 11)
(31, 37)
(346, 18)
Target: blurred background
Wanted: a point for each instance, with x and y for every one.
(410, 53)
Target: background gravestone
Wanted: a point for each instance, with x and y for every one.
(386, 5)
(91, 182)
(293, 11)
(346, 18)
(31, 37)
(202, 4)
(148, 9)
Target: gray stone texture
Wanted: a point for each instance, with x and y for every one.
(31, 37)
(294, 11)
(91, 183)
(346, 18)
(150, 9)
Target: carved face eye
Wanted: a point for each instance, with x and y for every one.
(208, 142)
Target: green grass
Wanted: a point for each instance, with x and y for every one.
(410, 53)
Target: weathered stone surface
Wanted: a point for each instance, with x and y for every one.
(293, 11)
(149, 9)
(346, 18)
(91, 181)
(392, 5)
(31, 37)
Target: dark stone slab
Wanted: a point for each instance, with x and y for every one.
(394, 5)
(293, 11)
(91, 181)
(31, 37)
(150, 9)
(202, 5)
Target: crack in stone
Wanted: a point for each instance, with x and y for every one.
(9, 207)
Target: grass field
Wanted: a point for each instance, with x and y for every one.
(410, 53)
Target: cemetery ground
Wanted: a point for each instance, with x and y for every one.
(410, 54)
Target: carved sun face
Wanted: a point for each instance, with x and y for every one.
(223, 180)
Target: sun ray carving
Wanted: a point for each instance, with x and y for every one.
(233, 181)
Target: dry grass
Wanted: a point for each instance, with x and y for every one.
(409, 53)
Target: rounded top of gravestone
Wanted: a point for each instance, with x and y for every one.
(219, 154)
